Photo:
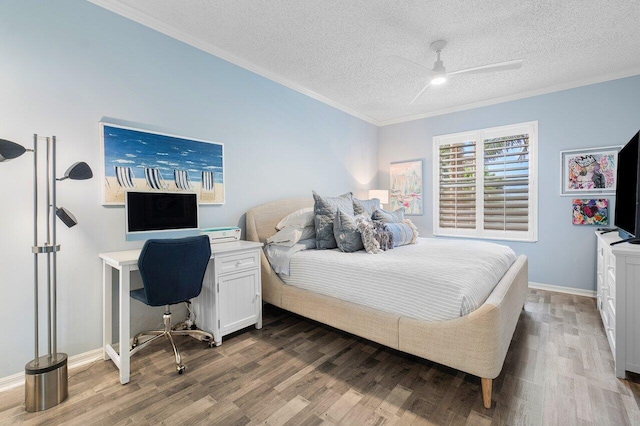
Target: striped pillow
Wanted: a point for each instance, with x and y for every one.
(402, 233)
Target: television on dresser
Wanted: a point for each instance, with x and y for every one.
(627, 213)
(160, 215)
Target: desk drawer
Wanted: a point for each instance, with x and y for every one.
(237, 262)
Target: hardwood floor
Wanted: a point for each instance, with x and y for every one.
(558, 370)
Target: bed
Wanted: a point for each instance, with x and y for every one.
(476, 343)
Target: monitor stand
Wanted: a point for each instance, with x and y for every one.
(628, 240)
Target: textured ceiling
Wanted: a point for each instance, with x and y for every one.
(339, 51)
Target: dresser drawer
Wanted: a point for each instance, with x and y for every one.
(611, 285)
(237, 262)
(611, 327)
(604, 313)
(600, 257)
(611, 263)
(610, 306)
(611, 337)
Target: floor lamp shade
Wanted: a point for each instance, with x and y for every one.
(78, 171)
(10, 150)
(66, 217)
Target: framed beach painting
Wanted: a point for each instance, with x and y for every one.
(405, 188)
(590, 212)
(142, 160)
(589, 171)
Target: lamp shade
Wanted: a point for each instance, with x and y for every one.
(66, 217)
(78, 171)
(380, 194)
(10, 150)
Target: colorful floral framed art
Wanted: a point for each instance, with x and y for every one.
(591, 211)
(589, 171)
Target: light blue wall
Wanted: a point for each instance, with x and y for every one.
(603, 114)
(68, 64)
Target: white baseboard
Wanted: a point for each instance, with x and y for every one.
(562, 289)
(79, 360)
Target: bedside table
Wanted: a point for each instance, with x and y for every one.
(231, 297)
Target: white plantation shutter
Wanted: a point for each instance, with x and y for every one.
(485, 183)
(506, 183)
(457, 192)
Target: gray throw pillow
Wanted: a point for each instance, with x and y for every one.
(365, 206)
(385, 216)
(325, 209)
(345, 231)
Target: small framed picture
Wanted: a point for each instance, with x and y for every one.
(589, 171)
(591, 212)
(406, 186)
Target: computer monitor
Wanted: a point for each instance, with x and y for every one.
(160, 215)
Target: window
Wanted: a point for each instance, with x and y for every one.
(485, 183)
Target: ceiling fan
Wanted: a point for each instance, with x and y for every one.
(438, 74)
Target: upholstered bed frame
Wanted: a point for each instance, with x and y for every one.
(476, 343)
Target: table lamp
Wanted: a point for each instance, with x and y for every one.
(380, 194)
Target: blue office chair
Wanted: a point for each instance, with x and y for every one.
(172, 271)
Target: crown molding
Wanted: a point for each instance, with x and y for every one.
(545, 90)
(162, 27)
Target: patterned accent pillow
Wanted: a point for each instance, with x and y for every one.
(325, 209)
(375, 237)
(346, 232)
(402, 233)
(365, 226)
(365, 206)
(383, 235)
(385, 216)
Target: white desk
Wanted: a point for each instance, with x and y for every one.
(125, 262)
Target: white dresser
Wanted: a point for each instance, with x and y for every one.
(618, 299)
(231, 297)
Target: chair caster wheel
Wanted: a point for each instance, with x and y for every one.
(181, 369)
(212, 344)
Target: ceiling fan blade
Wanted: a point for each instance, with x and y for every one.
(500, 66)
(424, 89)
(417, 67)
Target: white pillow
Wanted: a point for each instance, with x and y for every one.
(300, 218)
(290, 235)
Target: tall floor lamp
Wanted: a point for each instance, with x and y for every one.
(46, 379)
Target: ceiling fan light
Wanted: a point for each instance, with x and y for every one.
(438, 79)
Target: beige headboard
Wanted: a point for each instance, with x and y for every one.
(260, 224)
(261, 221)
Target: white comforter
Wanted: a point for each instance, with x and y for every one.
(436, 279)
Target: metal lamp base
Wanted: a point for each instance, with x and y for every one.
(47, 383)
